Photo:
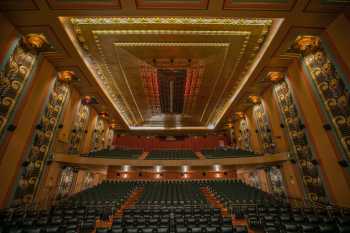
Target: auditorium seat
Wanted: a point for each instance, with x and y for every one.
(118, 153)
(226, 153)
(171, 155)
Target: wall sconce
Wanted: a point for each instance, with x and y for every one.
(67, 76)
(254, 99)
(275, 76)
(35, 41)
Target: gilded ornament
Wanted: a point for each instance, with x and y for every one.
(317, 72)
(307, 44)
(7, 101)
(34, 41)
(254, 99)
(67, 76)
(331, 103)
(22, 72)
(319, 57)
(38, 163)
(328, 69)
(32, 180)
(342, 101)
(43, 148)
(323, 86)
(275, 76)
(333, 83)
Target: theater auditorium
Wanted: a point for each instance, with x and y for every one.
(175, 116)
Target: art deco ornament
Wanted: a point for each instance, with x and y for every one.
(67, 76)
(254, 99)
(306, 44)
(34, 41)
(275, 76)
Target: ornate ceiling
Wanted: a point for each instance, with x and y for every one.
(131, 55)
(171, 64)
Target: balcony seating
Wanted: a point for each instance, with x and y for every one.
(116, 153)
(220, 153)
(171, 155)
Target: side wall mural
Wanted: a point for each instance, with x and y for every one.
(78, 130)
(39, 149)
(276, 179)
(245, 139)
(97, 137)
(14, 75)
(264, 128)
(330, 85)
(66, 181)
(300, 146)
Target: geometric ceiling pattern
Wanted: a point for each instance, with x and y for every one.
(129, 53)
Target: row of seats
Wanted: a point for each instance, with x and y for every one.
(171, 155)
(226, 153)
(299, 220)
(117, 153)
(178, 229)
(171, 192)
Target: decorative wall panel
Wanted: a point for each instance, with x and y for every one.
(299, 143)
(88, 180)
(276, 179)
(264, 128)
(79, 128)
(40, 147)
(97, 138)
(330, 86)
(109, 138)
(245, 136)
(13, 79)
(66, 181)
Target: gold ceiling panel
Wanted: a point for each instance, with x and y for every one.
(216, 53)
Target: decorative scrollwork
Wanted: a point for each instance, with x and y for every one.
(264, 128)
(245, 136)
(330, 86)
(79, 127)
(40, 147)
(299, 143)
(13, 78)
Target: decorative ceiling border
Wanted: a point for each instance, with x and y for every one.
(173, 20)
(170, 32)
(167, 44)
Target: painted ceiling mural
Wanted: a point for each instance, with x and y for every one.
(166, 72)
